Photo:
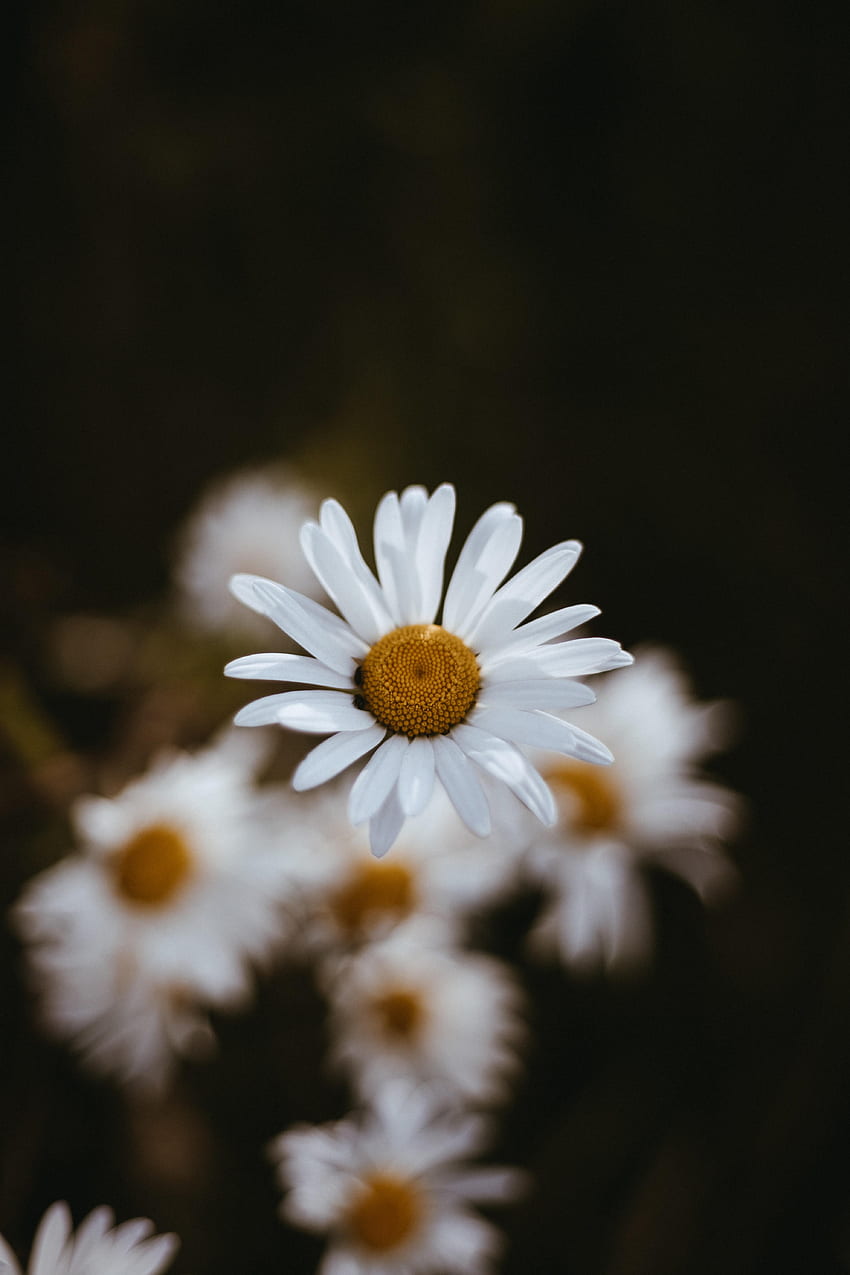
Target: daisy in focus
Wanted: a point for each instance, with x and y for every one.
(651, 806)
(175, 892)
(429, 701)
(408, 1007)
(391, 1191)
(247, 522)
(97, 1248)
(438, 872)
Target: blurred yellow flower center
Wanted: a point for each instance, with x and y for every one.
(374, 890)
(400, 1013)
(588, 799)
(386, 1213)
(419, 680)
(153, 866)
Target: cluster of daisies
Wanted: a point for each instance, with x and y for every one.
(450, 774)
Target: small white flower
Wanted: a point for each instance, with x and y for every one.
(175, 891)
(652, 805)
(248, 521)
(437, 871)
(442, 701)
(406, 1007)
(390, 1191)
(95, 1249)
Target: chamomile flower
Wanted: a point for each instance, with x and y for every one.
(651, 806)
(409, 1007)
(390, 1191)
(248, 521)
(97, 1247)
(438, 872)
(174, 893)
(429, 701)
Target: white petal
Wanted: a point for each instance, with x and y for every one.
(432, 543)
(479, 576)
(334, 755)
(416, 777)
(312, 626)
(342, 584)
(577, 658)
(458, 777)
(549, 693)
(377, 779)
(274, 667)
(393, 560)
(518, 598)
(488, 1185)
(545, 629)
(485, 559)
(316, 712)
(90, 1233)
(412, 505)
(50, 1239)
(385, 826)
(339, 528)
(156, 1254)
(582, 656)
(540, 730)
(508, 764)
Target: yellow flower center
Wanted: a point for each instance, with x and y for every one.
(588, 799)
(377, 888)
(419, 680)
(153, 866)
(400, 1013)
(386, 1213)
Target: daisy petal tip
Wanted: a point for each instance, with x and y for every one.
(378, 844)
(246, 718)
(241, 586)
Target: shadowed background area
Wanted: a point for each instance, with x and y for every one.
(587, 257)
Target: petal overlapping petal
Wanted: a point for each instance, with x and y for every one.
(505, 762)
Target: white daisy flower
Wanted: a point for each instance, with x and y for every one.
(428, 700)
(652, 805)
(437, 872)
(248, 521)
(97, 1248)
(389, 1190)
(174, 892)
(407, 1007)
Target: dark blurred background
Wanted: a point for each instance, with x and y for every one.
(589, 257)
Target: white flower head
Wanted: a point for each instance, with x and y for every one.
(429, 701)
(390, 1190)
(412, 1008)
(651, 806)
(438, 872)
(97, 1248)
(174, 893)
(248, 521)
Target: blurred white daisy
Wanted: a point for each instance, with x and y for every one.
(408, 1007)
(432, 700)
(651, 806)
(175, 891)
(437, 871)
(390, 1191)
(97, 1248)
(248, 521)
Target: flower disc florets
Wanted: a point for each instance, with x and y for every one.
(153, 866)
(419, 680)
